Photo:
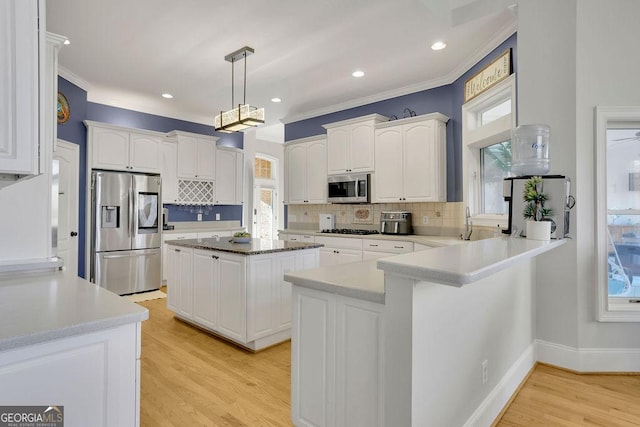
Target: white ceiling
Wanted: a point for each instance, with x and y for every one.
(127, 53)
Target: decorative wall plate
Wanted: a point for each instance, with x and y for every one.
(63, 110)
(362, 215)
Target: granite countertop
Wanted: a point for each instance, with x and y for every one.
(203, 227)
(254, 247)
(45, 307)
(459, 265)
(361, 280)
(435, 241)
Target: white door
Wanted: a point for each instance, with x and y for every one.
(265, 209)
(68, 156)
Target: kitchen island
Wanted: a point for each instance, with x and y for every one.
(67, 342)
(443, 336)
(236, 290)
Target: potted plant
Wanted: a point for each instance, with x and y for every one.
(539, 218)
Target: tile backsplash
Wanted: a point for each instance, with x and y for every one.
(444, 219)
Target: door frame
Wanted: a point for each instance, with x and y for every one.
(74, 177)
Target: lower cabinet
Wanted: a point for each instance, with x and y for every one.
(95, 376)
(339, 250)
(337, 360)
(241, 297)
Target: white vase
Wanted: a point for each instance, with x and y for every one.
(539, 230)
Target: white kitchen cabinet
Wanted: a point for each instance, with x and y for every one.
(95, 376)
(166, 262)
(169, 172)
(375, 249)
(118, 148)
(196, 155)
(229, 176)
(307, 238)
(411, 160)
(243, 298)
(22, 75)
(420, 247)
(339, 250)
(306, 166)
(350, 144)
(337, 360)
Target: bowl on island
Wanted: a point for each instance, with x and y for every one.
(241, 237)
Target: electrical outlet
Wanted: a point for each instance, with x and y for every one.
(217, 217)
(485, 371)
(425, 219)
(199, 217)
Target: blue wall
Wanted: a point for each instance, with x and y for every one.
(75, 131)
(447, 100)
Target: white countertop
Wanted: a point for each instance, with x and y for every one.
(360, 280)
(454, 265)
(435, 241)
(459, 265)
(38, 308)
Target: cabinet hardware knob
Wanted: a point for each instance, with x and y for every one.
(74, 233)
(177, 250)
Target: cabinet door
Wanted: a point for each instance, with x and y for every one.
(338, 150)
(144, 153)
(228, 177)
(359, 364)
(184, 276)
(187, 157)
(173, 285)
(110, 148)
(420, 157)
(297, 173)
(19, 86)
(369, 255)
(169, 172)
(232, 318)
(317, 172)
(282, 290)
(206, 158)
(361, 148)
(260, 296)
(328, 256)
(205, 275)
(313, 358)
(388, 177)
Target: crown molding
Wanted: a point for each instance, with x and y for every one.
(73, 78)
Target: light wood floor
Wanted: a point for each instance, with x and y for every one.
(190, 378)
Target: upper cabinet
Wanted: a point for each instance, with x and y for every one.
(411, 160)
(306, 166)
(22, 75)
(350, 144)
(123, 149)
(168, 172)
(196, 155)
(229, 176)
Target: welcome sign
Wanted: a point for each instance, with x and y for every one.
(493, 73)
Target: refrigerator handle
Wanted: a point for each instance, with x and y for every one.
(133, 208)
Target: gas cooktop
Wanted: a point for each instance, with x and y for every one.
(349, 231)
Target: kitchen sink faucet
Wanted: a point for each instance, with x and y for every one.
(468, 226)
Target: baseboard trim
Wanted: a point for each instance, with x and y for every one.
(492, 406)
(601, 360)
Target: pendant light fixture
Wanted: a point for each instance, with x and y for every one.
(244, 116)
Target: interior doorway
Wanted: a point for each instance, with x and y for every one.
(265, 195)
(68, 156)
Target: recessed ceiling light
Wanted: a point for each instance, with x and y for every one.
(357, 73)
(276, 100)
(67, 41)
(167, 95)
(438, 45)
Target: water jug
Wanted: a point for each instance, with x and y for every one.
(530, 150)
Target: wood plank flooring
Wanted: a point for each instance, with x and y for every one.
(190, 378)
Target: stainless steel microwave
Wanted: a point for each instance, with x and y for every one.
(353, 188)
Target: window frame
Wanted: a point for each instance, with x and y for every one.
(609, 309)
(475, 137)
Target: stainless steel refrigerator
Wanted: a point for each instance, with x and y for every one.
(126, 238)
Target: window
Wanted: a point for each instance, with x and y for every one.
(262, 168)
(265, 207)
(487, 121)
(618, 212)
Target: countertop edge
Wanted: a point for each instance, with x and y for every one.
(335, 288)
(434, 241)
(451, 278)
(201, 245)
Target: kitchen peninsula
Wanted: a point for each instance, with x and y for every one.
(67, 342)
(438, 337)
(236, 290)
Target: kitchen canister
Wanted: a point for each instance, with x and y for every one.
(530, 150)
